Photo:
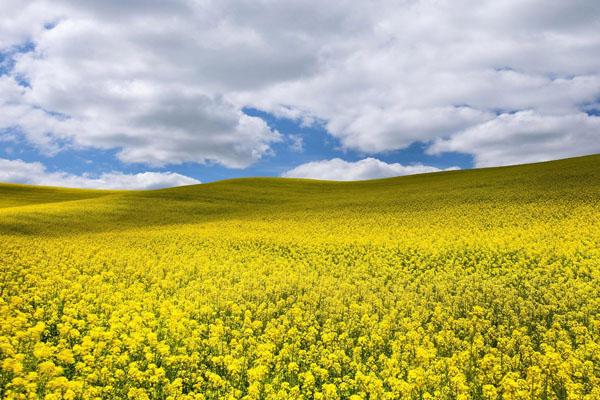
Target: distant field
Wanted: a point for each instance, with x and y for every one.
(481, 284)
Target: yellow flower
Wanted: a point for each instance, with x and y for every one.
(65, 356)
(434, 287)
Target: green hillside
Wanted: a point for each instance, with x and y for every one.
(68, 211)
(14, 195)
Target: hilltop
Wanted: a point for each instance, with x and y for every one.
(48, 209)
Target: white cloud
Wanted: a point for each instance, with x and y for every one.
(368, 168)
(21, 21)
(296, 143)
(428, 70)
(35, 173)
(99, 83)
(397, 127)
(166, 82)
(524, 137)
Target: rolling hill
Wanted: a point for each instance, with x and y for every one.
(569, 181)
(475, 284)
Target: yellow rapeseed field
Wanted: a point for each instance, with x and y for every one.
(480, 284)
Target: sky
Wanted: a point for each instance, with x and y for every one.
(146, 94)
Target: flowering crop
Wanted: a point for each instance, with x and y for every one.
(462, 285)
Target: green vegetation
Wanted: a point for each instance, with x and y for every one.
(69, 211)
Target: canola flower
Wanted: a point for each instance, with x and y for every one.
(462, 285)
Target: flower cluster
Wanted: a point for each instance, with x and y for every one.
(494, 299)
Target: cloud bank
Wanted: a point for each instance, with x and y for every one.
(524, 137)
(368, 168)
(35, 173)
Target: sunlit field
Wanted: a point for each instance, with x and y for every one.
(480, 284)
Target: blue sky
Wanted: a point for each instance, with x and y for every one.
(316, 145)
(139, 95)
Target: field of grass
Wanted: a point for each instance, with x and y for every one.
(481, 284)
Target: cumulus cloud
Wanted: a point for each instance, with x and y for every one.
(165, 83)
(368, 168)
(526, 137)
(35, 173)
(428, 70)
(296, 143)
(20, 21)
(398, 127)
(95, 82)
